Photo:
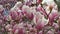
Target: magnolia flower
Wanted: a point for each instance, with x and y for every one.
(40, 20)
(25, 8)
(49, 5)
(17, 15)
(38, 17)
(40, 25)
(14, 16)
(27, 12)
(17, 29)
(18, 4)
(54, 15)
(41, 10)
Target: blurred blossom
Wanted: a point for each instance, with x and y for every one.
(39, 1)
(17, 6)
(40, 9)
(50, 32)
(8, 27)
(28, 2)
(55, 25)
(40, 25)
(27, 12)
(58, 32)
(49, 2)
(52, 16)
(1, 21)
(1, 8)
(40, 32)
(14, 16)
(50, 5)
(59, 21)
(17, 29)
(34, 2)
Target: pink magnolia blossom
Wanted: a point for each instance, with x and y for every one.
(15, 16)
(27, 12)
(40, 9)
(52, 16)
(40, 25)
(17, 29)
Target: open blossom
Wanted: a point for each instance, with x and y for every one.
(40, 25)
(40, 9)
(18, 29)
(49, 5)
(54, 15)
(27, 12)
(14, 16)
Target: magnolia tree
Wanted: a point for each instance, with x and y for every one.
(30, 18)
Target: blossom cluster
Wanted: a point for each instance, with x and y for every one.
(31, 17)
